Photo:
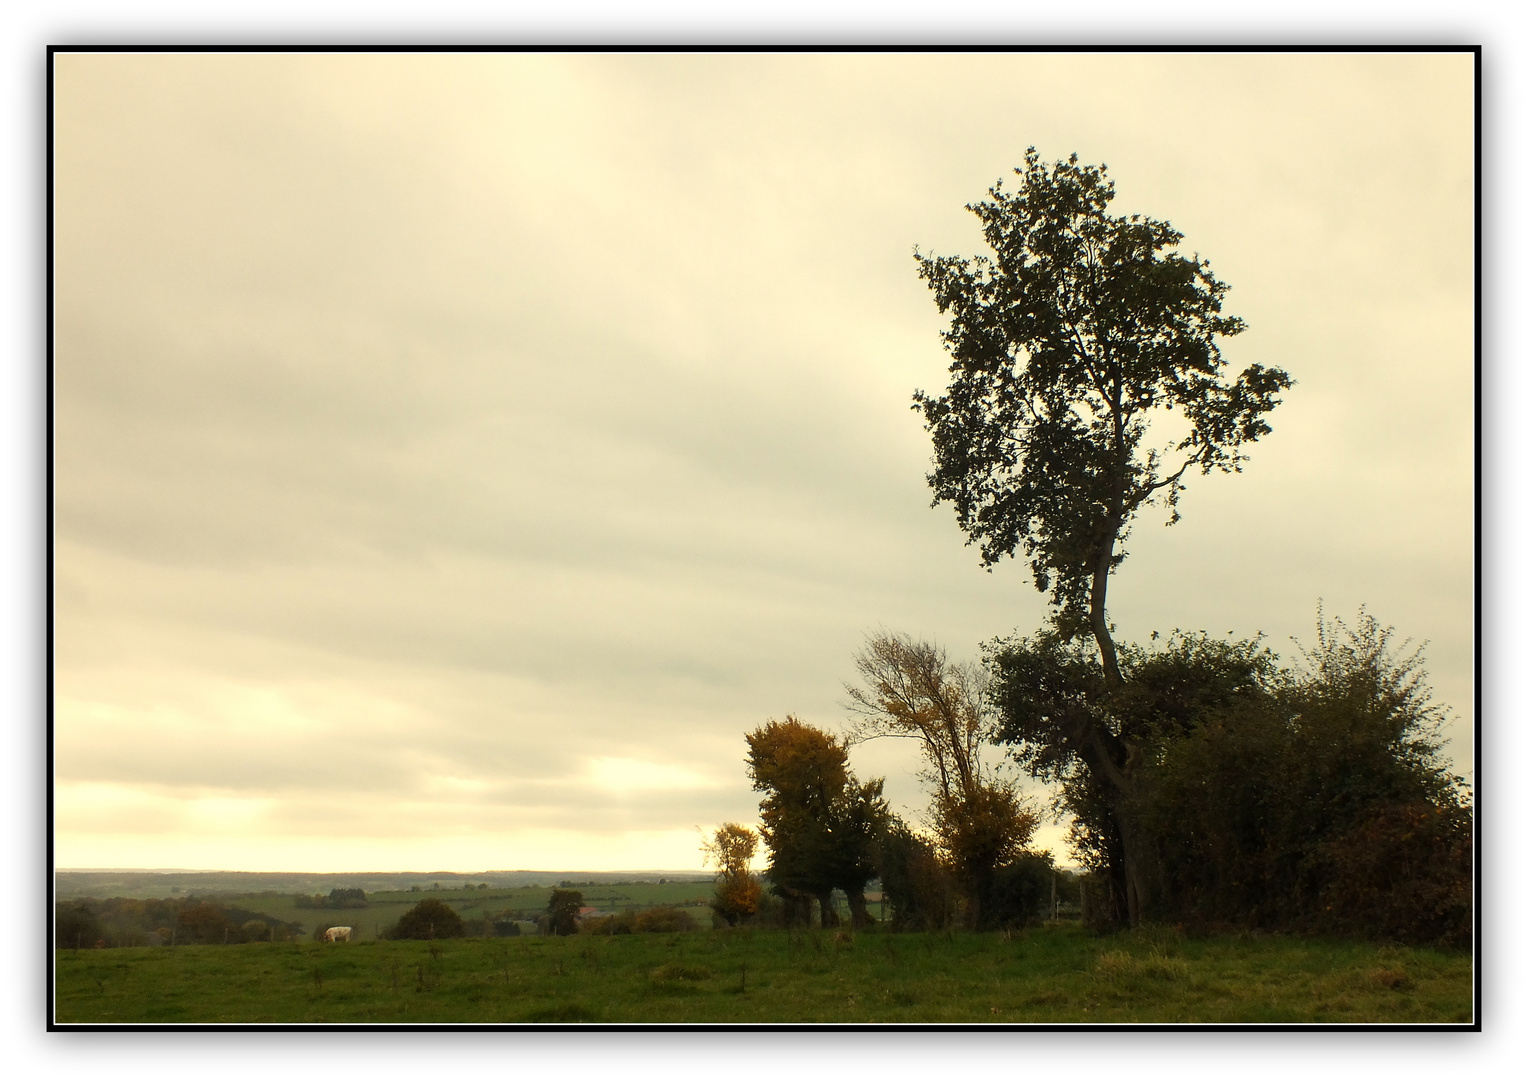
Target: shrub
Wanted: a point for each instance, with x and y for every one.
(1021, 891)
(427, 920)
(663, 920)
(1321, 806)
(916, 884)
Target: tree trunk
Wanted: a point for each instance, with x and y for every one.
(829, 912)
(1117, 762)
(1097, 617)
(859, 913)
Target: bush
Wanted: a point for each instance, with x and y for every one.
(427, 920)
(1321, 806)
(917, 886)
(1021, 891)
(663, 920)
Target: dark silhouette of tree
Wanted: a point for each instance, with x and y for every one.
(562, 911)
(1078, 332)
(818, 821)
(1052, 694)
(428, 920)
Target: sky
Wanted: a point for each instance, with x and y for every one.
(455, 455)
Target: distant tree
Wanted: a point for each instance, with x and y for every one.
(427, 920)
(76, 926)
(562, 911)
(730, 850)
(1066, 343)
(202, 923)
(818, 821)
(911, 690)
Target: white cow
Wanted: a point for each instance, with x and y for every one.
(337, 933)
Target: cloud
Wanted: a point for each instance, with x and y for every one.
(477, 445)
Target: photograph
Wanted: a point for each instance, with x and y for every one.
(732, 537)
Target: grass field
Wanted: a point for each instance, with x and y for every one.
(1052, 974)
(383, 908)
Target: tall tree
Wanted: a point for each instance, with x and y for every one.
(1081, 329)
(819, 822)
(911, 690)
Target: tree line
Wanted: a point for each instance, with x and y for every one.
(1208, 781)
(118, 921)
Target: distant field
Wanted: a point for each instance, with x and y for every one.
(144, 884)
(384, 908)
(1056, 974)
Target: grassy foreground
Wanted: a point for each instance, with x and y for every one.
(1056, 974)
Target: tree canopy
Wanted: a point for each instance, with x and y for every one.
(1066, 342)
(430, 919)
(738, 892)
(819, 822)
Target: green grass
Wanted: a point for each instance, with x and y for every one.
(1047, 975)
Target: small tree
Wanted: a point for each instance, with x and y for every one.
(428, 920)
(911, 690)
(562, 911)
(819, 822)
(731, 850)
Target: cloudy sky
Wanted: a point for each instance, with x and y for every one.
(456, 454)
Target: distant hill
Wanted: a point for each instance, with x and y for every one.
(163, 883)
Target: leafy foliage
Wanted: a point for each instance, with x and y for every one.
(659, 920)
(1304, 798)
(1062, 720)
(1068, 345)
(562, 911)
(731, 850)
(428, 920)
(818, 821)
(1324, 806)
(917, 885)
(912, 690)
(119, 921)
(1064, 344)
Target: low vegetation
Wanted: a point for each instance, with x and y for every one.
(1054, 974)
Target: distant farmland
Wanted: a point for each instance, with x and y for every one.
(159, 884)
